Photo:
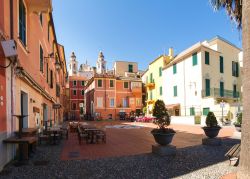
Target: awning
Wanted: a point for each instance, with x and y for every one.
(171, 106)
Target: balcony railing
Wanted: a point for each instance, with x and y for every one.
(216, 92)
(151, 84)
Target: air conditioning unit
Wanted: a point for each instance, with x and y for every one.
(9, 48)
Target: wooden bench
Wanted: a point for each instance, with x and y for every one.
(234, 154)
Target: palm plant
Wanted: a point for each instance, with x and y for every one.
(239, 11)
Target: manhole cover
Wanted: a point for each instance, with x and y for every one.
(41, 162)
(74, 154)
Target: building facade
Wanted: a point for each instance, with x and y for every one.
(153, 80)
(203, 78)
(35, 78)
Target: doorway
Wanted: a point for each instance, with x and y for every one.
(24, 109)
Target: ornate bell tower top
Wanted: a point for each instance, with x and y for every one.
(101, 64)
(73, 65)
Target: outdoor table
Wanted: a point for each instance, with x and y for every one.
(27, 132)
(91, 132)
(20, 118)
(54, 131)
(23, 143)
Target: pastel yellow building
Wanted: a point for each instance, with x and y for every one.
(153, 79)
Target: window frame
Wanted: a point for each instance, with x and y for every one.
(207, 58)
(130, 68)
(74, 83)
(112, 83)
(110, 100)
(74, 92)
(195, 59)
(125, 82)
(99, 80)
(22, 36)
(82, 92)
(41, 58)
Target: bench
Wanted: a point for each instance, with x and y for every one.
(234, 154)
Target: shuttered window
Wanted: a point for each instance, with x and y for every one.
(174, 69)
(175, 90)
(207, 58)
(160, 71)
(51, 79)
(130, 68)
(22, 22)
(194, 57)
(41, 59)
(221, 64)
(192, 111)
(221, 89)
(161, 91)
(207, 86)
(206, 111)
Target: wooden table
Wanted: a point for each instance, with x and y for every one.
(91, 132)
(27, 132)
(54, 131)
(24, 145)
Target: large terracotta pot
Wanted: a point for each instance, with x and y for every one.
(211, 132)
(163, 138)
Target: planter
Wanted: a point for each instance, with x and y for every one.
(211, 132)
(237, 127)
(163, 138)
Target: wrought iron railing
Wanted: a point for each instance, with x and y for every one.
(217, 92)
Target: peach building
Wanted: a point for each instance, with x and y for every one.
(34, 82)
(107, 95)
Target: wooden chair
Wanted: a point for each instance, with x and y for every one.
(101, 134)
(82, 135)
(43, 136)
(234, 154)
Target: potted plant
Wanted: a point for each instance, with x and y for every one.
(162, 134)
(212, 129)
(238, 123)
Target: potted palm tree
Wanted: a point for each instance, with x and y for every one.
(238, 123)
(162, 134)
(212, 129)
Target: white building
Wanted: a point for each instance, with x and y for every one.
(201, 77)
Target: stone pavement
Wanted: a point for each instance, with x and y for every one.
(125, 142)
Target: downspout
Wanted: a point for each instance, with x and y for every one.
(12, 69)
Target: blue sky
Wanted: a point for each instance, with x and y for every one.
(136, 30)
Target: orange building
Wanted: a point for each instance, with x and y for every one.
(109, 95)
(33, 84)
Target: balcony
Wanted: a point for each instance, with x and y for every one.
(217, 93)
(150, 84)
(39, 6)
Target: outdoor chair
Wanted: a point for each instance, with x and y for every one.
(65, 132)
(234, 154)
(82, 135)
(101, 134)
(43, 136)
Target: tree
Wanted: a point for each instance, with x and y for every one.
(239, 11)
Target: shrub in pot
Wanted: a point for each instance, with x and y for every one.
(162, 135)
(238, 123)
(212, 129)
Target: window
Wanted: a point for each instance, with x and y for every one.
(74, 83)
(22, 22)
(205, 111)
(221, 89)
(160, 71)
(83, 83)
(151, 95)
(47, 72)
(174, 69)
(41, 18)
(221, 64)
(175, 90)
(235, 69)
(51, 79)
(192, 111)
(73, 106)
(194, 56)
(99, 102)
(82, 92)
(111, 83)
(161, 91)
(206, 58)
(235, 91)
(138, 102)
(207, 87)
(57, 90)
(41, 59)
(130, 68)
(99, 83)
(125, 102)
(112, 102)
(151, 78)
(74, 92)
(125, 85)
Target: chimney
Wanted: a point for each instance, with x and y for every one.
(171, 52)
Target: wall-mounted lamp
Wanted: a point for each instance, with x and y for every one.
(58, 65)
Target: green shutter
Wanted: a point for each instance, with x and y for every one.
(161, 90)
(207, 87)
(237, 69)
(125, 84)
(221, 89)
(195, 61)
(206, 111)
(174, 69)
(207, 58)
(130, 68)
(192, 111)
(234, 91)
(221, 65)
(151, 78)
(160, 71)
(41, 59)
(99, 83)
(175, 90)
